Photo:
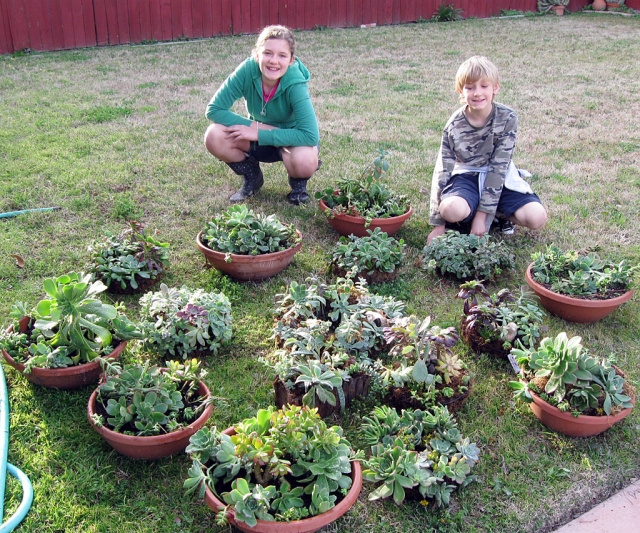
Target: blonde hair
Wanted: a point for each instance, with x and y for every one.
(275, 32)
(474, 69)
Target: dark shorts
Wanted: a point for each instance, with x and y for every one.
(267, 154)
(466, 186)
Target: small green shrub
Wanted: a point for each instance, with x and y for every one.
(417, 449)
(181, 321)
(376, 252)
(467, 256)
(124, 261)
(447, 13)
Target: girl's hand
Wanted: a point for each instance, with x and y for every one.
(242, 133)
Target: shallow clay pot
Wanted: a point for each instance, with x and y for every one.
(569, 425)
(306, 525)
(574, 309)
(349, 225)
(150, 446)
(249, 267)
(71, 377)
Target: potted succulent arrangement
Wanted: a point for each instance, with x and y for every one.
(570, 390)
(557, 6)
(498, 321)
(357, 204)
(248, 246)
(422, 370)
(59, 343)
(417, 455)
(579, 287)
(184, 322)
(282, 471)
(467, 256)
(326, 340)
(148, 412)
(130, 262)
(376, 257)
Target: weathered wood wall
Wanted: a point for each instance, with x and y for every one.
(65, 24)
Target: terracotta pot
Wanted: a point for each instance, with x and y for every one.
(306, 525)
(599, 5)
(572, 309)
(558, 10)
(569, 425)
(249, 267)
(152, 446)
(71, 377)
(356, 387)
(349, 225)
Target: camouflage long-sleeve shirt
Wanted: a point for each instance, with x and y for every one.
(491, 145)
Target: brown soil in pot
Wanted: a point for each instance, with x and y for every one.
(400, 397)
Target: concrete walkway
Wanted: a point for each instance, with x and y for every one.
(618, 514)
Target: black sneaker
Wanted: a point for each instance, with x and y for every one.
(507, 227)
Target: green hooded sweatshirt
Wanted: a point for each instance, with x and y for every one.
(290, 109)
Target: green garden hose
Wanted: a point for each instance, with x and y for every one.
(27, 489)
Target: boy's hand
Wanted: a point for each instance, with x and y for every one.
(478, 223)
(436, 232)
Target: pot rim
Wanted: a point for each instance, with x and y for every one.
(578, 302)
(304, 525)
(238, 258)
(149, 440)
(361, 220)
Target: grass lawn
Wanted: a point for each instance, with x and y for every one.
(110, 134)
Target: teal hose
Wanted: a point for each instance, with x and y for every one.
(27, 489)
(23, 211)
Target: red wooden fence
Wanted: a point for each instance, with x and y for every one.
(64, 24)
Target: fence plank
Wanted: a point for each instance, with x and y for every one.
(186, 29)
(207, 18)
(33, 24)
(19, 25)
(226, 21)
(133, 21)
(273, 17)
(176, 20)
(44, 23)
(145, 21)
(88, 19)
(155, 19)
(68, 29)
(6, 42)
(100, 13)
(77, 30)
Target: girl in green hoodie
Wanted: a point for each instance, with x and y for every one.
(282, 123)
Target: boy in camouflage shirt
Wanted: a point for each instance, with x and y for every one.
(475, 178)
